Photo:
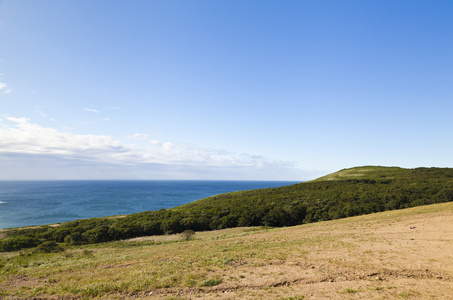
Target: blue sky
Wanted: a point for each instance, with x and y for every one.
(248, 90)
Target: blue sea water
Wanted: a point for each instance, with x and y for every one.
(24, 203)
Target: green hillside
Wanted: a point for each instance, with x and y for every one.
(346, 193)
(367, 172)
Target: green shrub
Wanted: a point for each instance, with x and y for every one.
(211, 282)
(18, 242)
(48, 247)
(188, 234)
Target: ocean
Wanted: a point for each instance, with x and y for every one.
(25, 203)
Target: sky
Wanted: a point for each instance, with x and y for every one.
(223, 90)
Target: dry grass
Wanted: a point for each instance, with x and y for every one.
(376, 256)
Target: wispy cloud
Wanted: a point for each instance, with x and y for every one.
(91, 110)
(22, 137)
(139, 136)
(38, 111)
(4, 89)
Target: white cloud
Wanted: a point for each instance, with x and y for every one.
(138, 136)
(21, 137)
(18, 120)
(4, 88)
(29, 138)
(91, 110)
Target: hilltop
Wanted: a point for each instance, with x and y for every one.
(367, 172)
(346, 193)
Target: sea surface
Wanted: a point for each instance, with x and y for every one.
(24, 203)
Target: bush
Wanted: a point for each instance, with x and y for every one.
(74, 238)
(188, 234)
(19, 242)
(48, 247)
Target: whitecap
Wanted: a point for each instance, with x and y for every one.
(1, 202)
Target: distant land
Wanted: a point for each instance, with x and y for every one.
(346, 193)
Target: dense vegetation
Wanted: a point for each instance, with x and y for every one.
(346, 193)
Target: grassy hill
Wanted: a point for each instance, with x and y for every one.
(400, 254)
(346, 193)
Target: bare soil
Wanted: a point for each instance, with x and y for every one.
(406, 254)
(404, 257)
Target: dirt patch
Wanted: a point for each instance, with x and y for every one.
(403, 257)
(393, 255)
(117, 217)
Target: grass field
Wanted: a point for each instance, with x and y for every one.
(404, 254)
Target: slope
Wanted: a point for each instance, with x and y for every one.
(402, 254)
(347, 193)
